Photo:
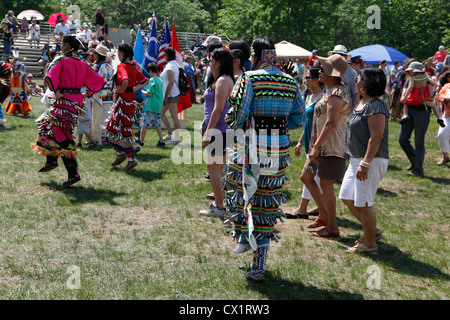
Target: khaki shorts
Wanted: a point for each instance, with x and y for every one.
(328, 168)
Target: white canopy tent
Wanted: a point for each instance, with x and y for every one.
(286, 49)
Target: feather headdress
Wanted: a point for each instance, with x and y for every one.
(5, 82)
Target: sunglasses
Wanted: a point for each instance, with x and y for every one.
(308, 77)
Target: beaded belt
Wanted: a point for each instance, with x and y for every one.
(69, 90)
(272, 125)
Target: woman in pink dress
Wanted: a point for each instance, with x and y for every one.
(65, 79)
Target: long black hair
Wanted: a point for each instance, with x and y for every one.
(238, 54)
(260, 44)
(127, 51)
(225, 58)
(73, 43)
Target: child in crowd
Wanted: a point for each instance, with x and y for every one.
(154, 103)
(35, 90)
(418, 90)
(84, 124)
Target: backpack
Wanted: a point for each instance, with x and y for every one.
(183, 82)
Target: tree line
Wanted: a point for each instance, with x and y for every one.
(414, 27)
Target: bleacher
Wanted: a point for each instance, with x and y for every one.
(32, 54)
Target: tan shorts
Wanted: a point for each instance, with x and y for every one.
(328, 168)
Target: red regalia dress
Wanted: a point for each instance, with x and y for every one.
(119, 129)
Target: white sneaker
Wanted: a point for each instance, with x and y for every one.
(213, 211)
(167, 137)
(174, 142)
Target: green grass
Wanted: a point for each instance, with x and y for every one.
(138, 234)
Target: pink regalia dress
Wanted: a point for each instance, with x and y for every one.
(67, 76)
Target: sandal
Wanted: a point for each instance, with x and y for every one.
(313, 212)
(329, 233)
(295, 215)
(362, 248)
(317, 223)
(378, 236)
(443, 161)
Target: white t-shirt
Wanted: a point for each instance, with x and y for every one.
(172, 66)
(65, 29)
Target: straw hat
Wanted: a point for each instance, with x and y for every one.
(335, 66)
(339, 49)
(102, 50)
(416, 66)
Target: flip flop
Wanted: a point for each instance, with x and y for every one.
(362, 248)
(313, 212)
(295, 215)
(378, 236)
(443, 161)
(329, 233)
(317, 223)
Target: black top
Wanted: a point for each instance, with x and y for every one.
(99, 19)
(357, 132)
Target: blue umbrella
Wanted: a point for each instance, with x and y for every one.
(373, 54)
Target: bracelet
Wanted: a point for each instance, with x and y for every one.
(365, 164)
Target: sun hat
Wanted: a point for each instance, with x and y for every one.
(339, 49)
(334, 66)
(416, 66)
(102, 50)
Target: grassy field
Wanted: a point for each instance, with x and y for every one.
(138, 234)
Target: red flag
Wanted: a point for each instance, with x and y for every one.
(185, 101)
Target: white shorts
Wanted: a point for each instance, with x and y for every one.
(34, 36)
(362, 192)
(84, 126)
(306, 194)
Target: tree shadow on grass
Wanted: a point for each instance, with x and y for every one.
(146, 175)
(394, 168)
(399, 261)
(386, 193)
(274, 287)
(150, 157)
(438, 180)
(80, 194)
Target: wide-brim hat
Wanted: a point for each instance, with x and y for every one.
(335, 66)
(101, 50)
(416, 67)
(339, 49)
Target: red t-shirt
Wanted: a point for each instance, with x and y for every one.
(129, 71)
(440, 56)
(311, 61)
